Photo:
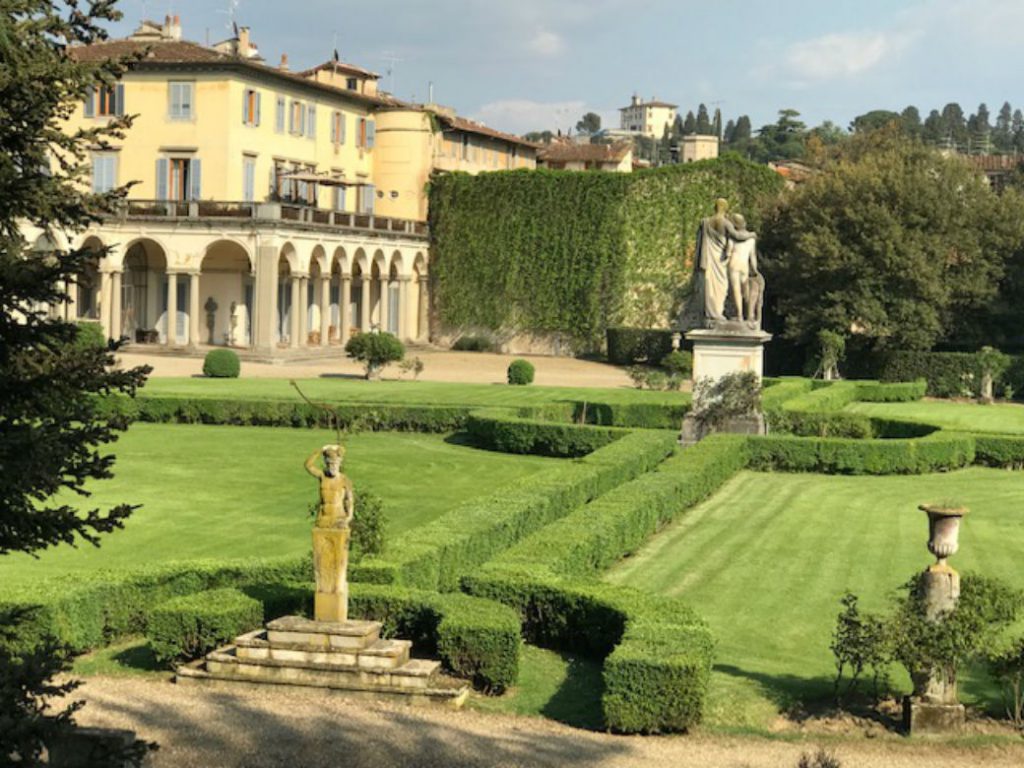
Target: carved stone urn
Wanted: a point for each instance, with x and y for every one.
(943, 530)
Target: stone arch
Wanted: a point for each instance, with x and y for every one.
(362, 289)
(419, 317)
(318, 260)
(226, 294)
(287, 268)
(144, 292)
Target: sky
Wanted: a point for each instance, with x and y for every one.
(521, 65)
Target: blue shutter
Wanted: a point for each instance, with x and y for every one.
(90, 102)
(311, 122)
(279, 126)
(245, 107)
(291, 118)
(371, 133)
(334, 128)
(162, 172)
(258, 107)
(97, 173)
(119, 104)
(343, 125)
(195, 177)
(302, 120)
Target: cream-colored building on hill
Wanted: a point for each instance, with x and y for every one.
(569, 156)
(270, 210)
(696, 147)
(649, 118)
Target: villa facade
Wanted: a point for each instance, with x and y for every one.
(268, 210)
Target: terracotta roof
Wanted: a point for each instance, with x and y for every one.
(567, 152)
(996, 162)
(340, 66)
(471, 126)
(158, 54)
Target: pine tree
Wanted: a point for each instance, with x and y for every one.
(744, 130)
(1002, 137)
(911, 120)
(703, 121)
(934, 129)
(730, 132)
(1017, 129)
(689, 124)
(954, 127)
(716, 124)
(53, 436)
(979, 132)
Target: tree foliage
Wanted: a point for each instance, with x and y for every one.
(589, 123)
(892, 245)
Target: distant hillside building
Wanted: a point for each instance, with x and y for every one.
(695, 147)
(649, 118)
(569, 156)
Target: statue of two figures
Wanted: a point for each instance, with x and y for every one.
(726, 268)
(331, 534)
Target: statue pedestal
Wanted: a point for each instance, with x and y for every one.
(729, 348)
(330, 568)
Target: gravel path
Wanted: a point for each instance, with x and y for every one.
(223, 728)
(463, 367)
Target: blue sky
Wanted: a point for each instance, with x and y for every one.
(532, 64)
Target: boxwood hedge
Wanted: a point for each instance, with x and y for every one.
(190, 626)
(497, 431)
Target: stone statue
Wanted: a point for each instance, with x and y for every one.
(746, 284)
(211, 317)
(232, 324)
(331, 534)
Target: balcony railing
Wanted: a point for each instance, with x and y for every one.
(242, 211)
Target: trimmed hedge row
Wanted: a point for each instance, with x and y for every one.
(191, 626)
(999, 451)
(281, 413)
(437, 554)
(948, 374)
(785, 453)
(891, 392)
(496, 431)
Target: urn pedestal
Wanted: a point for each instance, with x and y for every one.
(729, 348)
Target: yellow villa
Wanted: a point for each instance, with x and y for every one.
(270, 210)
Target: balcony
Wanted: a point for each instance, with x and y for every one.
(262, 213)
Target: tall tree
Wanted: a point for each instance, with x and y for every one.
(933, 131)
(744, 130)
(689, 124)
(703, 121)
(892, 245)
(954, 127)
(979, 132)
(872, 121)
(911, 120)
(589, 123)
(730, 132)
(783, 139)
(54, 437)
(1002, 136)
(716, 124)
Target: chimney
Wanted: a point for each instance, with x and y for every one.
(243, 42)
(635, 101)
(174, 27)
(284, 62)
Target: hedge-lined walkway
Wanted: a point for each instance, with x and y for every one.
(204, 728)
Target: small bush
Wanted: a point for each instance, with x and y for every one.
(471, 343)
(638, 345)
(188, 627)
(498, 432)
(520, 372)
(678, 363)
(367, 525)
(375, 351)
(732, 396)
(89, 335)
(413, 365)
(221, 364)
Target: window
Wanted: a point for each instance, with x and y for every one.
(367, 132)
(181, 101)
(250, 107)
(178, 178)
(339, 198)
(465, 147)
(297, 118)
(367, 194)
(311, 121)
(104, 173)
(353, 84)
(279, 124)
(249, 178)
(109, 101)
(338, 131)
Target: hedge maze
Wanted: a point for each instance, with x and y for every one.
(524, 561)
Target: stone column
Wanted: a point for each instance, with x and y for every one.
(385, 299)
(304, 307)
(424, 309)
(115, 305)
(104, 307)
(71, 306)
(364, 313)
(194, 326)
(404, 318)
(345, 308)
(171, 337)
(264, 310)
(296, 328)
(325, 309)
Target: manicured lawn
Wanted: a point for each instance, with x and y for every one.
(971, 417)
(235, 492)
(768, 557)
(406, 392)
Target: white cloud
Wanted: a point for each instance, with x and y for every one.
(546, 43)
(523, 115)
(840, 55)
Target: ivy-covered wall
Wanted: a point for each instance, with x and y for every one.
(575, 252)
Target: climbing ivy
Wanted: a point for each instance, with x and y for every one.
(573, 253)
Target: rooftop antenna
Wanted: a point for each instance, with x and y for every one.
(230, 12)
(391, 59)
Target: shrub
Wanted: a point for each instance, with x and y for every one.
(637, 345)
(678, 363)
(221, 364)
(471, 343)
(992, 364)
(732, 396)
(368, 522)
(190, 626)
(520, 372)
(999, 451)
(412, 365)
(949, 374)
(375, 351)
(1006, 666)
(89, 335)
(859, 644)
(498, 432)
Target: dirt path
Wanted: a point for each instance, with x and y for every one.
(210, 728)
(464, 367)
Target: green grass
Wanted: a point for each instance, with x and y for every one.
(1006, 418)
(404, 392)
(235, 492)
(767, 559)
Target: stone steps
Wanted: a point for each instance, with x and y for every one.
(345, 656)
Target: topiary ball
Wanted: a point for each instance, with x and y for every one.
(221, 364)
(520, 372)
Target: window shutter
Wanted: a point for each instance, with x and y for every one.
(291, 118)
(195, 177)
(371, 133)
(334, 128)
(280, 114)
(90, 102)
(162, 173)
(97, 170)
(245, 107)
(302, 120)
(342, 127)
(258, 107)
(119, 106)
(311, 122)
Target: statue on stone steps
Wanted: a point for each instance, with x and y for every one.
(331, 534)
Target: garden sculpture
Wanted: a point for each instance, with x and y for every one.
(211, 317)
(331, 534)
(745, 281)
(712, 272)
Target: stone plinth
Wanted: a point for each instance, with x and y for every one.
(924, 718)
(728, 349)
(692, 433)
(348, 657)
(330, 565)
